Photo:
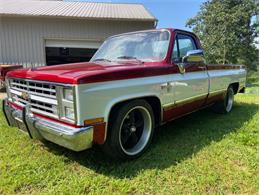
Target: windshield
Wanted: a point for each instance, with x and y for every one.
(144, 46)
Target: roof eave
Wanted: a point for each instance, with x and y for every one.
(78, 17)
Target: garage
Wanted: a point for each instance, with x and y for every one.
(38, 33)
(69, 51)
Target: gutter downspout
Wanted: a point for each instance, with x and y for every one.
(155, 23)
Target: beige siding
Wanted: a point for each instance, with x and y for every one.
(22, 40)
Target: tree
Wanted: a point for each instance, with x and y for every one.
(228, 30)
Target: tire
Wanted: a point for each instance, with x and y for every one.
(130, 130)
(225, 106)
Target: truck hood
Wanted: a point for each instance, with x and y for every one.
(86, 72)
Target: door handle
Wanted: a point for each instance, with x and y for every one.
(164, 85)
(167, 86)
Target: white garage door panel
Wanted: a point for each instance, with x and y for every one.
(73, 43)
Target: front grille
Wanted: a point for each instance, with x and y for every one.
(42, 89)
(42, 96)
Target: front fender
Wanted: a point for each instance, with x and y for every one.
(96, 100)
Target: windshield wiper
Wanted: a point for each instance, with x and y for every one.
(129, 58)
(102, 59)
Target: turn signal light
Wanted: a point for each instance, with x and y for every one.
(93, 121)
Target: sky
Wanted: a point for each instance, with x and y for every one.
(170, 13)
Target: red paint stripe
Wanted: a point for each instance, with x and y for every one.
(15, 106)
(178, 111)
(93, 73)
(224, 67)
(216, 97)
(149, 71)
(140, 72)
(57, 121)
(99, 133)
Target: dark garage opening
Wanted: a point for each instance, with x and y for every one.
(65, 55)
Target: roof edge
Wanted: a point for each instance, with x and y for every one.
(78, 17)
(156, 19)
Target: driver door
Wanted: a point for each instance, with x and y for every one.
(190, 87)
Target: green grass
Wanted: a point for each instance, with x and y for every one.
(200, 153)
(252, 83)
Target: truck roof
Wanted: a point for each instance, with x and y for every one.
(158, 29)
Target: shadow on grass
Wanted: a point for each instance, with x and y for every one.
(172, 143)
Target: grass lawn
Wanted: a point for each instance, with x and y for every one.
(200, 153)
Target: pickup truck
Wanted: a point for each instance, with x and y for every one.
(134, 83)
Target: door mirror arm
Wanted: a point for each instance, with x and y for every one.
(181, 67)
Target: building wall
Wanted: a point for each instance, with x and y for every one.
(22, 39)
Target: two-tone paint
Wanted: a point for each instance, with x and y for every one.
(101, 86)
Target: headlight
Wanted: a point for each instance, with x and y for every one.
(66, 103)
(68, 94)
(69, 113)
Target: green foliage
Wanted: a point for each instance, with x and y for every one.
(228, 30)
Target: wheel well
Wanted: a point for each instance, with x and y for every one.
(152, 100)
(235, 87)
(156, 106)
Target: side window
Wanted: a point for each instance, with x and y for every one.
(185, 44)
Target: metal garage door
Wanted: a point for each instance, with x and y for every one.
(69, 51)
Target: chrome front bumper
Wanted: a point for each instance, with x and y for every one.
(76, 139)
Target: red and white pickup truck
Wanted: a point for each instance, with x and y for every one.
(135, 82)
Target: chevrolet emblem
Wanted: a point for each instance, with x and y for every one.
(25, 96)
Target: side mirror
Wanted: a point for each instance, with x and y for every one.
(194, 56)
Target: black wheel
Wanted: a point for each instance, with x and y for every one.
(225, 106)
(131, 130)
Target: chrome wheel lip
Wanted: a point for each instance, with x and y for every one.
(146, 134)
(229, 101)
